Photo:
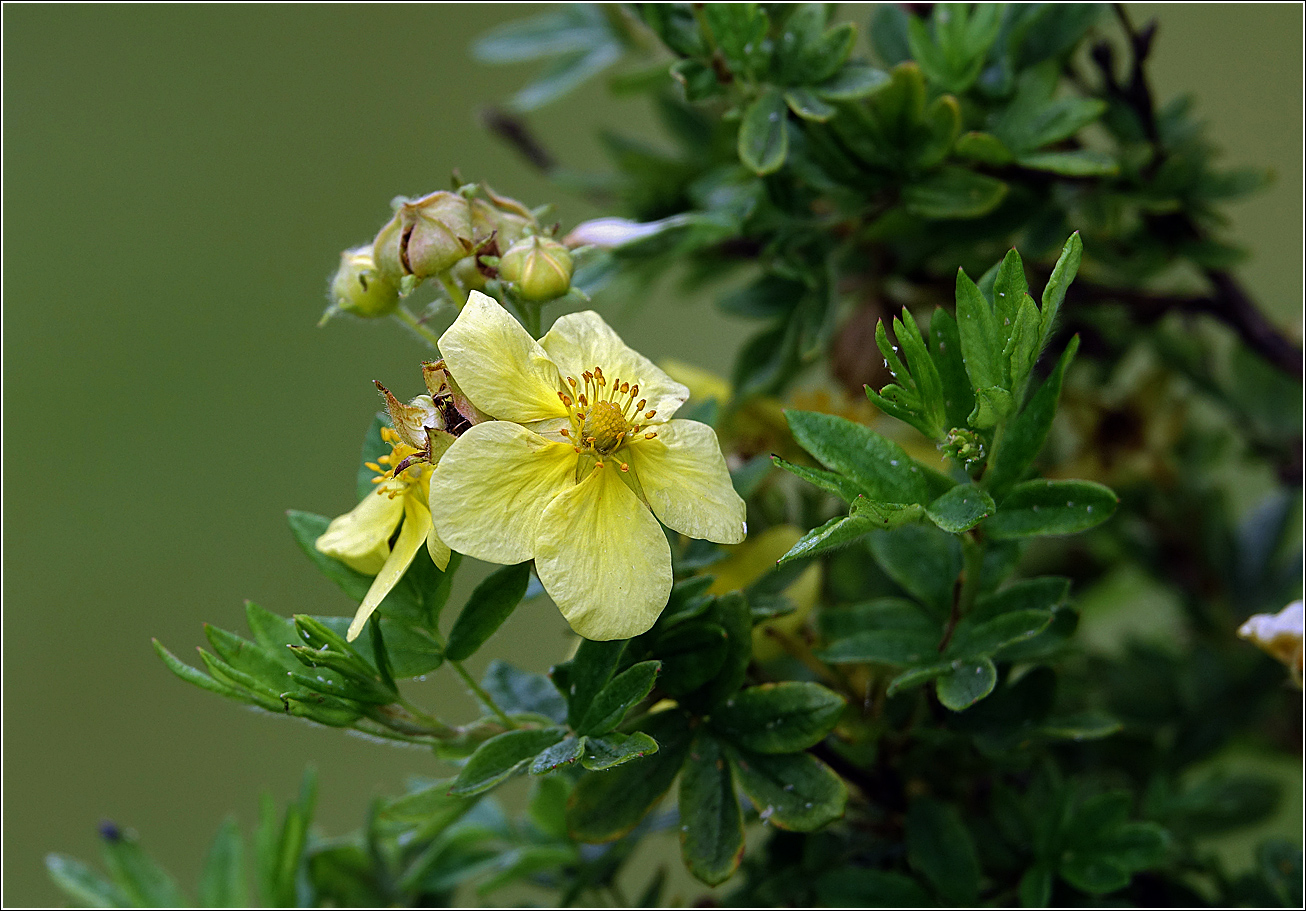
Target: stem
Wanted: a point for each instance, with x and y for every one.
(530, 313)
(456, 296)
(415, 325)
(483, 696)
(967, 588)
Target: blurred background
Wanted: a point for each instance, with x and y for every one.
(179, 181)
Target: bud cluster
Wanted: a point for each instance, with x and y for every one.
(466, 237)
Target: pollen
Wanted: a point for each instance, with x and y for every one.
(604, 414)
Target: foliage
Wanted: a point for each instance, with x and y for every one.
(930, 724)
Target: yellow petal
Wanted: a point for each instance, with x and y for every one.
(603, 558)
(684, 477)
(492, 486)
(361, 537)
(499, 366)
(438, 550)
(416, 523)
(582, 341)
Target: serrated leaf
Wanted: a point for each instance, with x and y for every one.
(489, 605)
(625, 691)
(1051, 508)
(607, 805)
(966, 683)
(960, 508)
(794, 791)
(941, 849)
(711, 824)
(612, 749)
(501, 757)
(828, 481)
(763, 139)
(778, 717)
(1025, 436)
(222, 882)
(945, 351)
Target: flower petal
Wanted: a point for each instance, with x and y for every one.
(499, 366)
(582, 341)
(417, 520)
(603, 558)
(438, 550)
(684, 477)
(361, 537)
(491, 487)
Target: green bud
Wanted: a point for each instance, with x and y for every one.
(540, 268)
(467, 274)
(964, 445)
(425, 237)
(359, 288)
(502, 216)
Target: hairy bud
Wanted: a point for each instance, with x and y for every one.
(539, 268)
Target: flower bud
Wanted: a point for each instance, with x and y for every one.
(539, 268)
(425, 237)
(359, 288)
(507, 220)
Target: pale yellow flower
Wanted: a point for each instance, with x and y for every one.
(1280, 635)
(583, 454)
(423, 429)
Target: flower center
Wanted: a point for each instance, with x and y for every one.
(403, 463)
(604, 415)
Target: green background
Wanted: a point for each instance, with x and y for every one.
(178, 183)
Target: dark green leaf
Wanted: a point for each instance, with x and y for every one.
(1083, 726)
(625, 691)
(923, 559)
(588, 672)
(1036, 887)
(858, 887)
(373, 447)
(307, 528)
(196, 677)
(1051, 508)
(854, 81)
(1025, 435)
(879, 466)
(763, 139)
(501, 757)
(808, 105)
(1009, 286)
(691, 655)
(607, 805)
(984, 148)
(941, 849)
(945, 350)
(698, 80)
(779, 717)
(978, 639)
(612, 749)
(82, 884)
(1063, 273)
(960, 509)
(222, 882)
(914, 677)
(711, 825)
(731, 613)
(424, 812)
(981, 341)
(953, 192)
(768, 297)
(886, 646)
(828, 481)
(1042, 593)
(793, 791)
(838, 532)
(1075, 163)
(966, 683)
(878, 614)
(1279, 863)
(562, 753)
(518, 691)
(489, 605)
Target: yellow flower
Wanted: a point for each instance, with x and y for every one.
(582, 449)
(423, 430)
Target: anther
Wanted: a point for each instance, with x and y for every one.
(625, 467)
(634, 390)
(577, 448)
(650, 435)
(572, 381)
(565, 432)
(625, 387)
(642, 403)
(650, 414)
(583, 400)
(375, 467)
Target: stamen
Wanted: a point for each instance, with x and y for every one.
(375, 467)
(583, 400)
(650, 435)
(572, 381)
(650, 414)
(565, 432)
(577, 448)
(634, 390)
(625, 387)
(642, 403)
(624, 466)
(378, 480)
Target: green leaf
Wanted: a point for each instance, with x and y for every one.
(697, 79)
(196, 677)
(854, 81)
(979, 639)
(966, 683)
(794, 791)
(858, 887)
(625, 691)
(1075, 163)
(137, 875)
(607, 805)
(1063, 273)
(1279, 863)
(923, 559)
(610, 750)
(828, 481)
(763, 140)
(489, 605)
(1009, 286)
(740, 31)
(960, 509)
(981, 341)
(877, 614)
(731, 613)
(711, 825)
(945, 351)
(954, 192)
(941, 849)
(983, 148)
(307, 528)
(422, 813)
(562, 753)
(566, 73)
(691, 655)
(1082, 726)
(838, 532)
(586, 673)
(373, 447)
(766, 298)
(808, 105)
(885, 646)
(879, 466)
(1036, 887)
(82, 884)
(779, 717)
(516, 691)
(1110, 864)
(549, 34)
(885, 516)
(1025, 435)
(992, 404)
(1022, 348)
(914, 677)
(1051, 508)
(222, 882)
(501, 757)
